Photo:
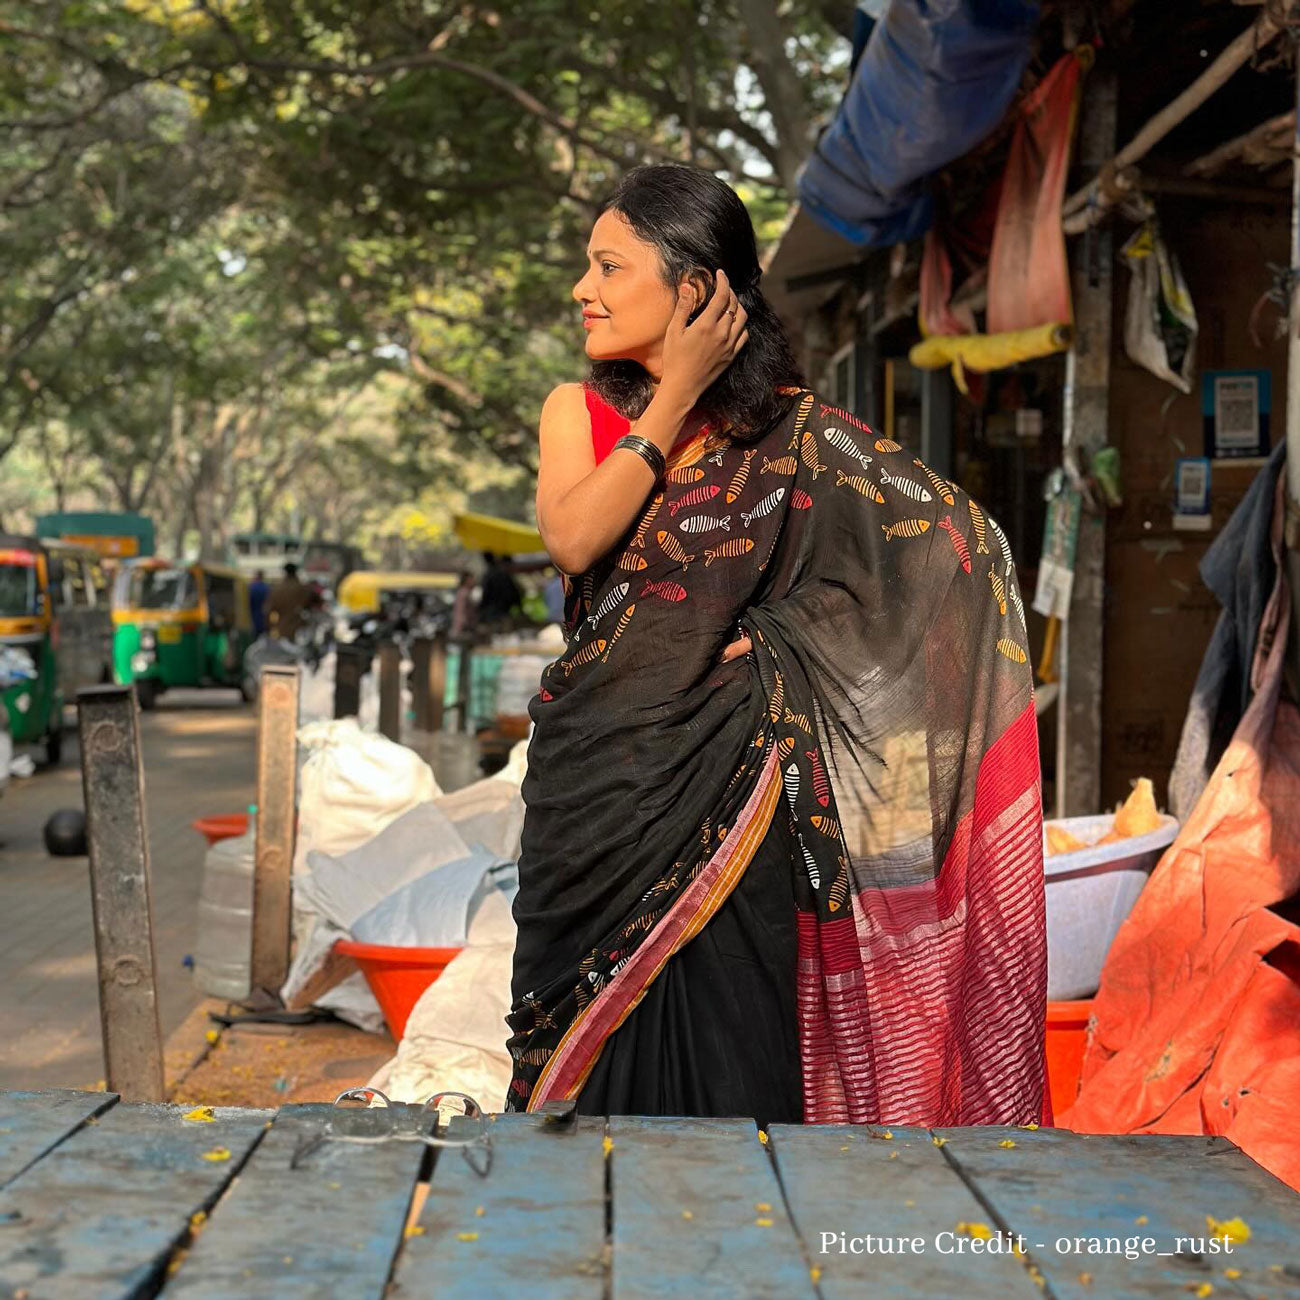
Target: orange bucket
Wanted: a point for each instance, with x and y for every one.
(222, 827)
(1067, 1025)
(397, 976)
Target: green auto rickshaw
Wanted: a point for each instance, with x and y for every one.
(179, 625)
(54, 609)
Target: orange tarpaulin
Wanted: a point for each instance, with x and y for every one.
(1196, 1026)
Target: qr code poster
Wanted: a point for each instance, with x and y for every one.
(1236, 405)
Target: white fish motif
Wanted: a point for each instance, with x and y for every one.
(764, 507)
(705, 524)
(1003, 543)
(790, 779)
(842, 442)
(611, 602)
(716, 458)
(1013, 591)
(810, 862)
(908, 487)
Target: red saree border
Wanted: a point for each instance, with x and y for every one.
(578, 1051)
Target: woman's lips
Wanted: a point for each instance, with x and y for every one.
(589, 321)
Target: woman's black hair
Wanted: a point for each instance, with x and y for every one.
(698, 224)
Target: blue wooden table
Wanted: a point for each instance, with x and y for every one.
(103, 1199)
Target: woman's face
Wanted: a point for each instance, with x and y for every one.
(626, 306)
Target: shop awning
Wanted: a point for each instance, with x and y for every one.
(500, 536)
(935, 79)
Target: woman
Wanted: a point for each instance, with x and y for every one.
(782, 855)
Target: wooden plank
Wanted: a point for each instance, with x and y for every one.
(33, 1123)
(277, 774)
(99, 1217)
(541, 1229)
(879, 1215)
(698, 1211)
(112, 778)
(1055, 1186)
(390, 691)
(328, 1228)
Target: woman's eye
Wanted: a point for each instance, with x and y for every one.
(608, 266)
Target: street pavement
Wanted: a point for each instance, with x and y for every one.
(199, 753)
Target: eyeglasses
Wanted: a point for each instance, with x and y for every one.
(366, 1117)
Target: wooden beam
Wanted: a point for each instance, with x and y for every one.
(1247, 146)
(390, 691)
(112, 777)
(1087, 400)
(277, 775)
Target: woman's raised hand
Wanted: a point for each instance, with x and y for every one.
(695, 354)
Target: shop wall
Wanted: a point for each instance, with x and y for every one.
(1158, 613)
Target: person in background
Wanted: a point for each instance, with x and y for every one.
(258, 590)
(286, 603)
(501, 595)
(554, 596)
(463, 615)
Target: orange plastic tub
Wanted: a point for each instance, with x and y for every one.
(1067, 1024)
(397, 976)
(222, 827)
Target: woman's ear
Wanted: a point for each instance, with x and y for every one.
(701, 285)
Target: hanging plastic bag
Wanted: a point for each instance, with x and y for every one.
(1160, 322)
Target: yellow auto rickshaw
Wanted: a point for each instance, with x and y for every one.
(373, 591)
(179, 625)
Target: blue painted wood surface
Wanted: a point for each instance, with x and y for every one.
(535, 1227)
(99, 1217)
(697, 1212)
(34, 1123)
(883, 1214)
(329, 1227)
(1055, 1186)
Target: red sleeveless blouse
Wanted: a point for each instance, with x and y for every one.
(608, 426)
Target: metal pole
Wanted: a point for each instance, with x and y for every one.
(277, 775)
(349, 668)
(112, 777)
(390, 691)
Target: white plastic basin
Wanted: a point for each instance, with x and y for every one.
(1089, 893)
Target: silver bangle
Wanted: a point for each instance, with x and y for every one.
(646, 450)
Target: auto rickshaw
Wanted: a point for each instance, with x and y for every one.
(54, 609)
(179, 625)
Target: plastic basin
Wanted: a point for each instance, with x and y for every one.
(397, 976)
(1067, 1025)
(225, 826)
(1090, 892)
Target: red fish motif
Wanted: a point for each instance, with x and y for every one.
(958, 541)
(821, 786)
(673, 591)
(800, 499)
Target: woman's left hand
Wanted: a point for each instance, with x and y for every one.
(740, 646)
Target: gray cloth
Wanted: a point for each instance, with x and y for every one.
(1239, 568)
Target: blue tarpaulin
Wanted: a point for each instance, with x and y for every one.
(935, 79)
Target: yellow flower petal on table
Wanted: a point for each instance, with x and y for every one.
(762, 1137)
(467, 1236)
(1085, 1279)
(980, 1230)
(217, 1154)
(938, 1141)
(1008, 1143)
(815, 1273)
(1232, 1272)
(893, 1155)
(212, 1035)
(687, 1214)
(479, 1211)
(1206, 1288)
(1140, 1220)
(911, 1205)
(607, 1144)
(200, 1115)
(1235, 1230)
(762, 1223)
(762, 1206)
(413, 1230)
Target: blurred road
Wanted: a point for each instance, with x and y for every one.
(199, 759)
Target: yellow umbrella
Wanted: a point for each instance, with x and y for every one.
(500, 536)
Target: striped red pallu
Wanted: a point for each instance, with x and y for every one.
(883, 726)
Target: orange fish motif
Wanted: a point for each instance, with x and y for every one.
(839, 892)
(977, 522)
(740, 477)
(672, 548)
(618, 631)
(859, 484)
(1008, 647)
(631, 563)
(801, 416)
(999, 591)
(828, 826)
(585, 656)
(887, 444)
(760, 739)
(729, 550)
(785, 747)
(639, 540)
(776, 704)
(800, 499)
(821, 786)
(906, 528)
(673, 591)
(940, 485)
(799, 720)
(808, 450)
(695, 497)
(687, 474)
(958, 541)
(782, 465)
